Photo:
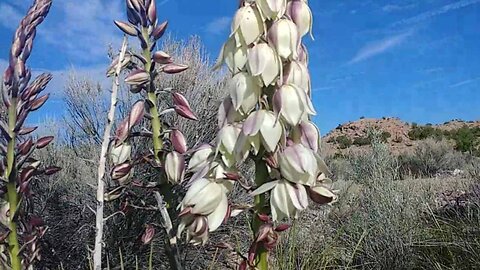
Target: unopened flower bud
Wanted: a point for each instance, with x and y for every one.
(175, 167)
(137, 77)
(121, 153)
(127, 28)
(178, 141)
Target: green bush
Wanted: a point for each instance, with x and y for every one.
(343, 141)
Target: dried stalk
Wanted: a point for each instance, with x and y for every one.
(99, 220)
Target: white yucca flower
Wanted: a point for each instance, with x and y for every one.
(199, 159)
(297, 73)
(232, 54)
(293, 104)
(264, 63)
(227, 139)
(244, 91)
(301, 15)
(287, 199)
(272, 9)
(203, 209)
(262, 126)
(283, 37)
(247, 25)
(299, 164)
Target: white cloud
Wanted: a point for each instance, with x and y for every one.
(378, 47)
(435, 12)
(10, 16)
(465, 82)
(83, 29)
(394, 7)
(218, 25)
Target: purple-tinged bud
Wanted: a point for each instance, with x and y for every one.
(178, 141)
(137, 77)
(25, 147)
(8, 76)
(182, 107)
(26, 174)
(149, 233)
(152, 12)
(175, 167)
(137, 113)
(37, 103)
(282, 227)
(26, 130)
(158, 32)
(174, 68)
(162, 57)
(51, 170)
(44, 141)
(127, 28)
(132, 15)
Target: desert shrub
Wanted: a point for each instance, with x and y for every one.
(362, 166)
(360, 141)
(424, 132)
(343, 141)
(467, 139)
(430, 158)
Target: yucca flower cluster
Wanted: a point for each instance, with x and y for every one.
(19, 230)
(166, 156)
(266, 117)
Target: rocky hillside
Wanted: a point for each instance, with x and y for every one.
(399, 135)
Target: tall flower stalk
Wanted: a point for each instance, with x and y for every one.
(168, 145)
(18, 168)
(266, 118)
(99, 220)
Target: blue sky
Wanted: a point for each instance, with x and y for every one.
(417, 60)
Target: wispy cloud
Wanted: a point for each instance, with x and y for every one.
(218, 25)
(380, 46)
(465, 82)
(435, 12)
(395, 7)
(83, 29)
(10, 16)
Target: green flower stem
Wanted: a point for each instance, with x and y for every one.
(171, 248)
(12, 195)
(261, 175)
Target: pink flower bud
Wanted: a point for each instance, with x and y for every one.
(159, 30)
(162, 57)
(149, 232)
(178, 141)
(127, 28)
(174, 68)
(137, 77)
(182, 107)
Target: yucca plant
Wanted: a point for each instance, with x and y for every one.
(265, 118)
(166, 145)
(20, 230)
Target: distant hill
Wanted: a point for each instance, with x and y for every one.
(398, 134)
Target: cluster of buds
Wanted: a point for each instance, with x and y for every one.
(267, 115)
(18, 168)
(169, 143)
